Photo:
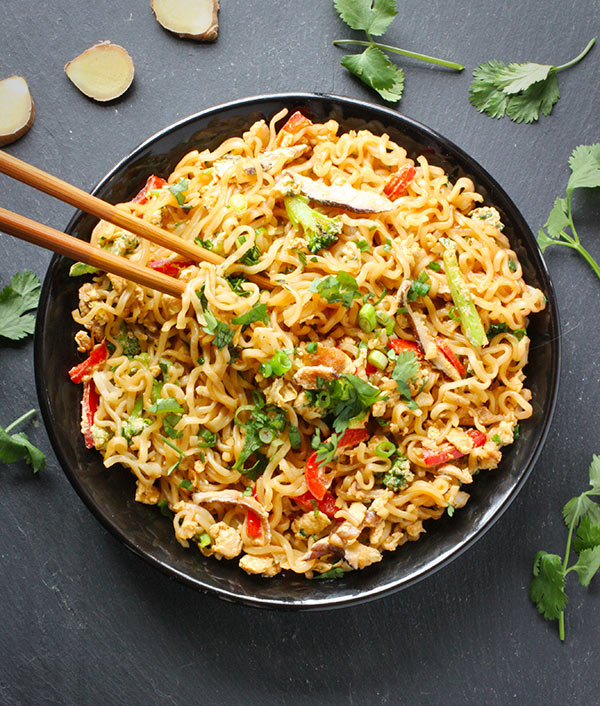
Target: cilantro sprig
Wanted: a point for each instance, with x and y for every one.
(17, 298)
(14, 447)
(582, 517)
(520, 91)
(373, 67)
(585, 173)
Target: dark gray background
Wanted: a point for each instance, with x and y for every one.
(83, 621)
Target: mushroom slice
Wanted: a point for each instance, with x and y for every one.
(279, 157)
(235, 497)
(426, 340)
(267, 160)
(338, 195)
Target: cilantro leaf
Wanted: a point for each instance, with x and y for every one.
(14, 447)
(405, 369)
(223, 335)
(257, 313)
(166, 405)
(588, 535)
(558, 219)
(372, 66)
(587, 565)
(521, 91)
(21, 295)
(540, 97)
(484, 94)
(372, 16)
(547, 588)
(355, 13)
(341, 288)
(594, 472)
(382, 16)
(578, 508)
(515, 78)
(178, 190)
(585, 167)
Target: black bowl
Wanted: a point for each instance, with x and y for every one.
(109, 493)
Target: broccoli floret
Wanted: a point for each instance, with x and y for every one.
(136, 423)
(319, 231)
(399, 475)
(130, 344)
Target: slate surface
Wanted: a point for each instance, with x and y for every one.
(83, 621)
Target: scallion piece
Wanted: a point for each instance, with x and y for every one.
(378, 360)
(468, 314)
(203, 539)
(265, 435)
(385, 449)
(367, 318)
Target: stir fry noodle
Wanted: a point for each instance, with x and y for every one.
(311, 427)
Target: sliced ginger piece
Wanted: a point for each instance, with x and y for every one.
(16, 109)
(103, 72)
(191, 19)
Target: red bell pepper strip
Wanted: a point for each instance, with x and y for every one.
(397, 184)
(315, 482)
(327, 505)
(399, 345)
(449, 354)
(89, 407)
(169, 267)
(98, 355)
(370, 368)
(296, 122)
(253, 524)
(449, 452)
(153, 182)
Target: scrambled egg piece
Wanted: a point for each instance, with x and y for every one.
(309, 524)
(259, 565)
(226, 540)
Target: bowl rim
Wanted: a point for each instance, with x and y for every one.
(454, 152)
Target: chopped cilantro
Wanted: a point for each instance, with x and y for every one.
(341, 288)
(235, 282)
(163, 405)
(257, 313)
(405, 371)
(178, 190)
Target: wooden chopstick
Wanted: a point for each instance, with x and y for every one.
(62, 190)
(67, 245)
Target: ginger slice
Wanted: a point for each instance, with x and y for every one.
(103, 72)
(191, 19)
(16, 109)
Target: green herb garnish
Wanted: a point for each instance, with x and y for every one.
(18, 297)
(582, 517)
(178, 190)
(341, 288)
(14, 447)
(585, 173)
(257, 313)
(520, 91)
(372, 66)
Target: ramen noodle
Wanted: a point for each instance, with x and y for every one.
(312, 426)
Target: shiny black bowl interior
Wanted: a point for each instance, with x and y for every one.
(109, 493)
